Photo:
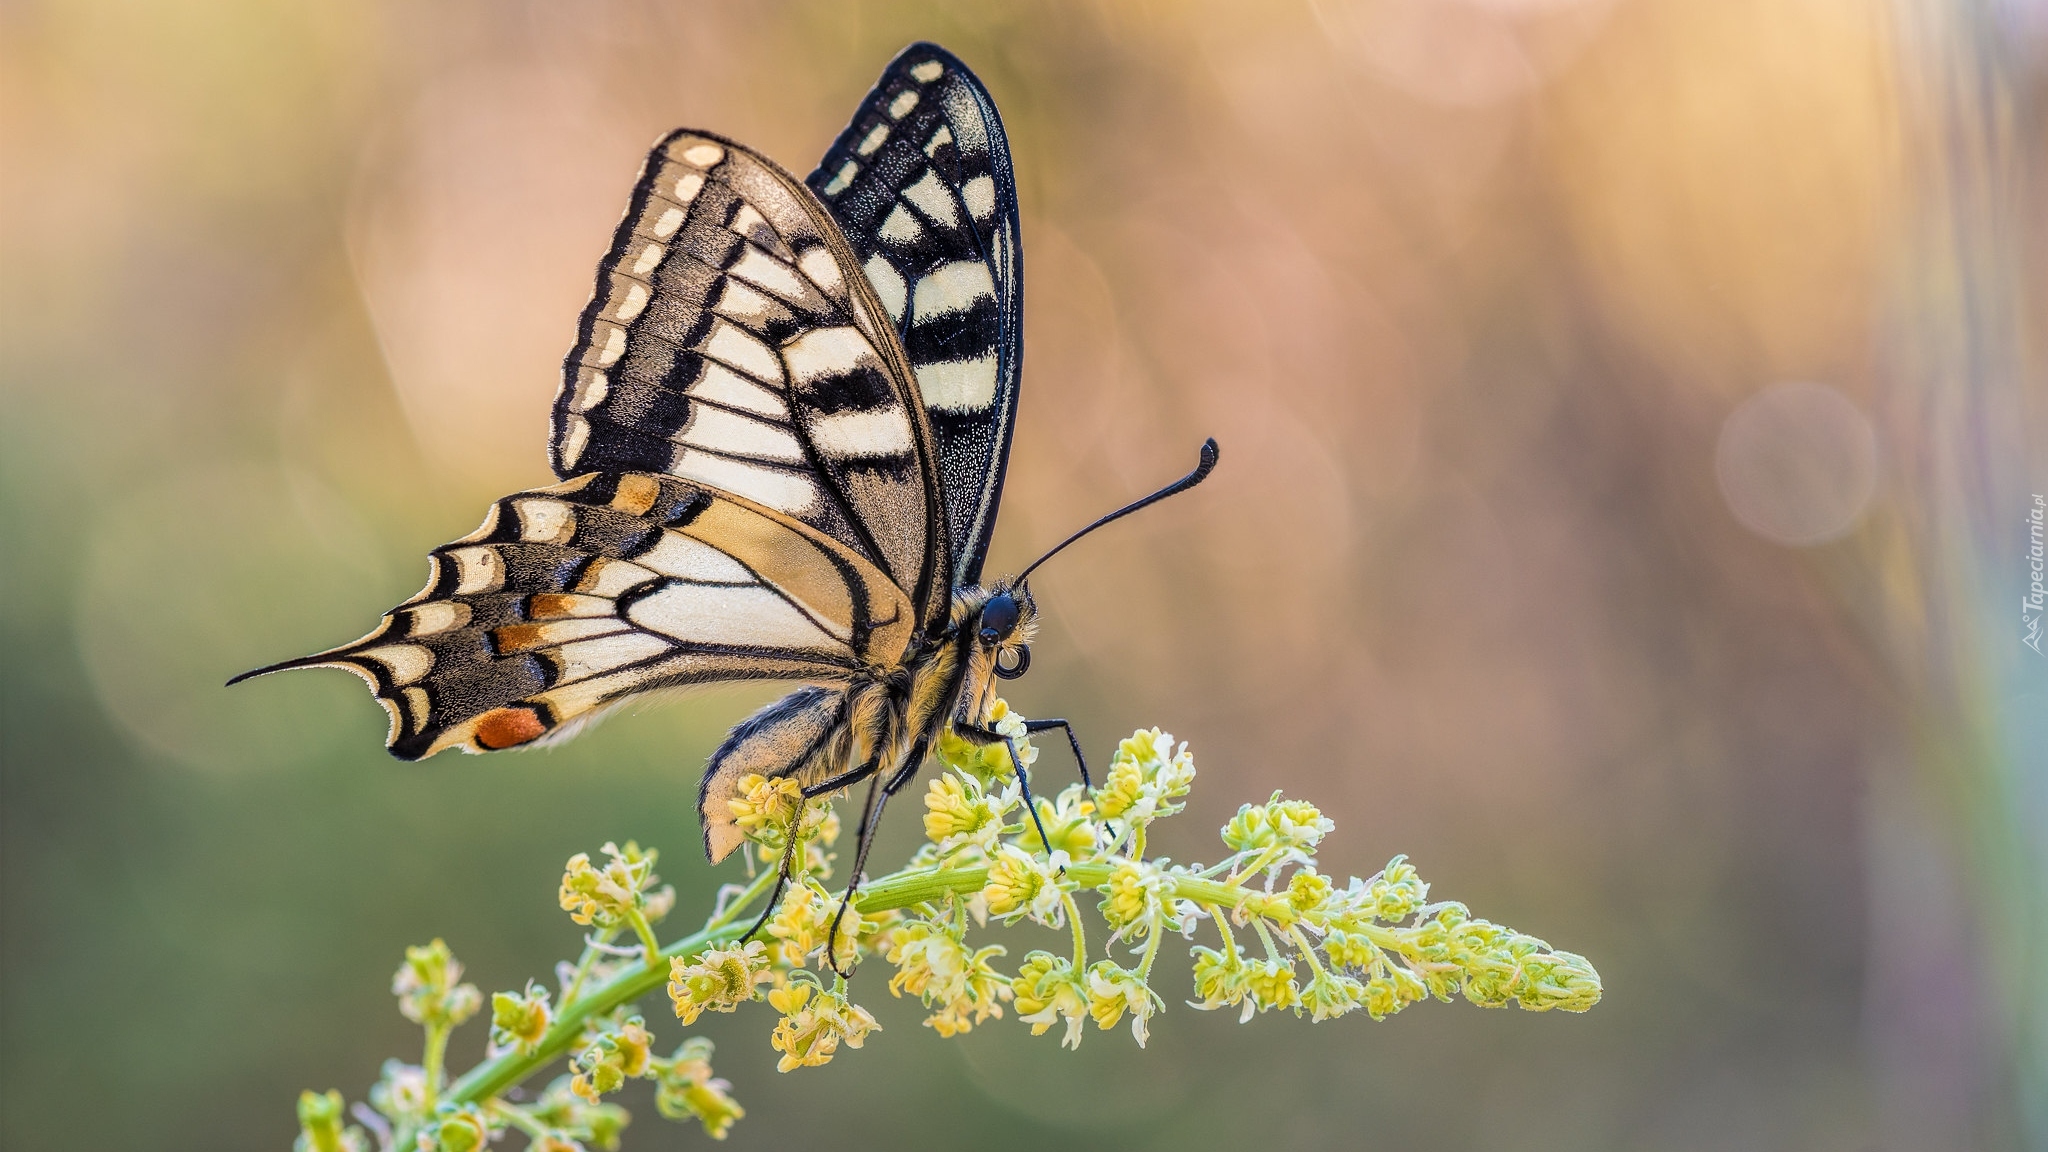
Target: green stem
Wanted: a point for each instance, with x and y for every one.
(1151, 950)
(518, 1118)
(650, 948)
(1222, 920)
(583, 963)
(1080, 935)
(430, 1062)
(1307, 949)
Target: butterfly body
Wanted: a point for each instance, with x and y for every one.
(880, 723)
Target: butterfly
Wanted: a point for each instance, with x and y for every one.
(781, 436)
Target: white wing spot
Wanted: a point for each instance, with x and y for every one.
(667, 224)
(477, 570)
(636, 299)
(818, 264)
(980, 194)
(940, 139)
(591, 389)
(688, 187)
(436, 616)
(574, 439)
(764, 271)
(731, 433)
(782, 491)
(844, 435)
(934, 198)
(683, 558)
(954, 287)
(842, 178)
(900, 227)
(590, 657)
(902, 104)
(738, 302)
(748, 220)
(611, 578)
(721, 385)
(888, 285)
(750, 615)
(704, 155)
(405, 662)
(960, 386)
(873, 140)
(614, 347)
(927, 72)
(736, 348)
(545, 521)
(825, 352)
(649, 257)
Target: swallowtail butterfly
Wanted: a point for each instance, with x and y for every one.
(781, 434)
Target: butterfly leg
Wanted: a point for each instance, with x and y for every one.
(982, 737)
(782, 875)
(787, 869)
(870, 822)
(1073, 741)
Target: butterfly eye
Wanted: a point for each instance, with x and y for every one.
(998, 617)
(1022, 665)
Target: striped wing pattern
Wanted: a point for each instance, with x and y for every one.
(732, 341)
(568, 598)
(920, 181)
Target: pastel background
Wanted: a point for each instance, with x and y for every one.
(1629, 410)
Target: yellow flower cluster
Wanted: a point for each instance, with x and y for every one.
(988, 762)
(520, 1019)
(717, 980)
(1290, 938)
(617, 1055)
(428, 989)
(686, 1089)
(934, 964)
(814, 1024)
(611, 896)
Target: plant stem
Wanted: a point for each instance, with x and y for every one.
(650, 948)
(430, 1062)
(1080, 936)
(583, 963)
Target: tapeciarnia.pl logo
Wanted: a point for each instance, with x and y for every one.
(2036, 599)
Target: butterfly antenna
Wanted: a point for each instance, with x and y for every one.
(1201, 473)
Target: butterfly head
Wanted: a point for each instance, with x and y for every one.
(1005, 625)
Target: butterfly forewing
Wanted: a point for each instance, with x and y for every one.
(920, 181)
(733, 341)
(568, 598)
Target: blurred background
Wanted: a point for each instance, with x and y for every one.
(1630, 413)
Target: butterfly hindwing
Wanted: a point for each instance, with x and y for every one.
(920, 182)
(570, 598)
(732, 341)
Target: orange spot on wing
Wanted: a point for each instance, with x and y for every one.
(512, 638)
(636, 494)
(550, 606)
(508, 728)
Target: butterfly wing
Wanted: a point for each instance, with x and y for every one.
(920, 181)
(749, 486)
(569, 598)
(732, 341)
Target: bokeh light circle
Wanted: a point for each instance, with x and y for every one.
(1797, 463)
